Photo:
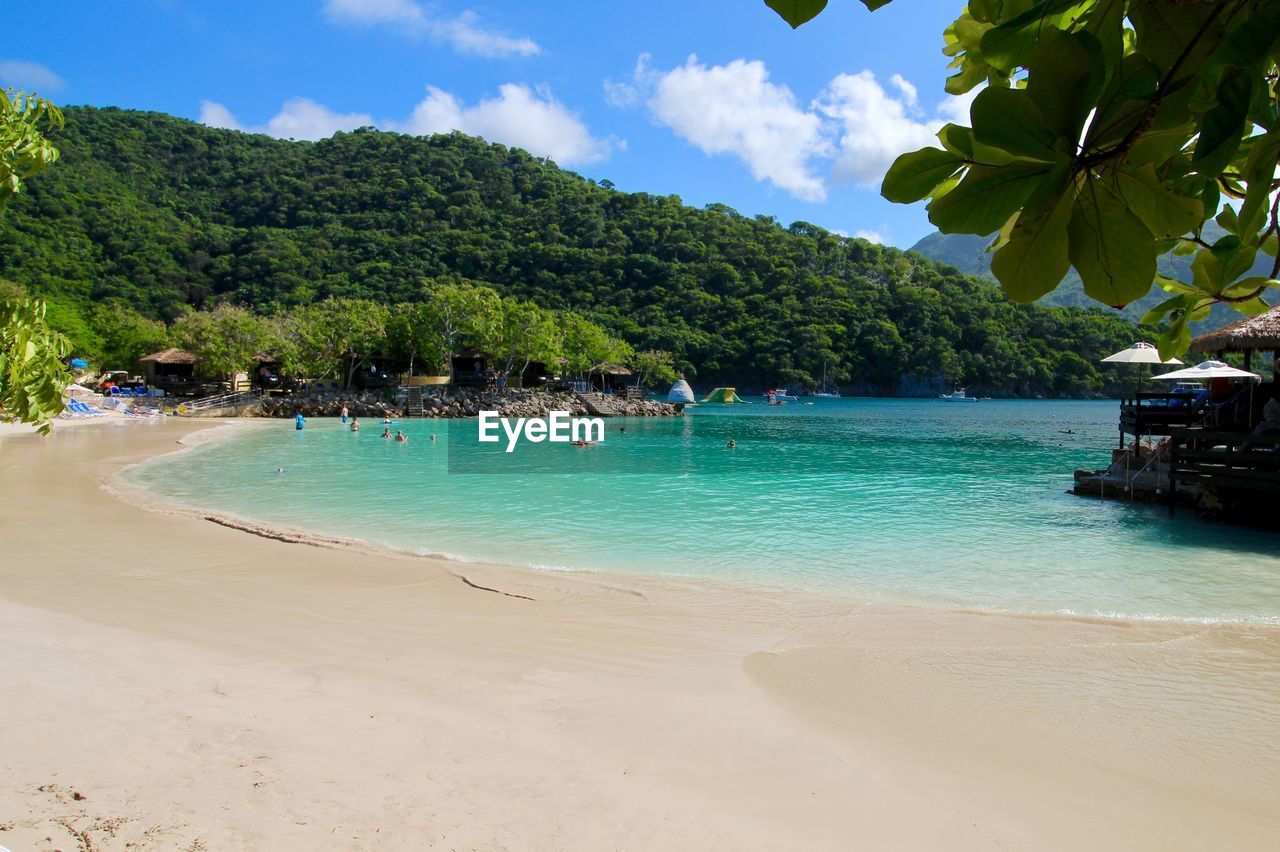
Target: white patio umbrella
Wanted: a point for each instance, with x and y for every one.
(1207, 370)
(1138, 353)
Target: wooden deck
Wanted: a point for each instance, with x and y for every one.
(1231, 463)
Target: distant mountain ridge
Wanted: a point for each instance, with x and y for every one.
(967, 253)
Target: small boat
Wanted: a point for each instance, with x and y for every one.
(958, 396)
(779, 395)
(825, 393)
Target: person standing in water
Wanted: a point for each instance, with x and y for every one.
(355, 424)
(344, 415)
(298, 420)
(401, 437)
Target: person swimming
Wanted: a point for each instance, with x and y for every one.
(386, 433)
(433, 437)
(355, 424)
(401, 437)
(732, 444)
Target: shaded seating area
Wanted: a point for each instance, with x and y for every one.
(1235, 452)
(609, 379)
(469, 367)
(174, 372)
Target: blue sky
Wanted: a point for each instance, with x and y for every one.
(711, 100)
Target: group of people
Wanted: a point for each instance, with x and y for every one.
(352, 423)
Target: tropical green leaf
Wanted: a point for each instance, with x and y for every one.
(1260, 168)
(1222, 128)
(957, 139)
(1165, 213)
(1033, 259)
(915, 175)
(1160, 311)
(797, 12)
(1112, 250)
(1012, 43)
(1008, 119)
(1175, 339)
(986, 198)
(1064, 81)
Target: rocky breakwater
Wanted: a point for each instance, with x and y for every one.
(448, 402)
(468, 402)
(358, 404)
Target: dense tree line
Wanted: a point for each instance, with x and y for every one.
(148, 216)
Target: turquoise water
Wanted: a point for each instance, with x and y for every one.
(896, 500)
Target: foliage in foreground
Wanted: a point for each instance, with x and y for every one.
(32, 375)
(147, 216)
(1108, 133)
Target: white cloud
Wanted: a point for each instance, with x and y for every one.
(464, 32)
(734, 109)
(520, 116)
(875, 127)
(215, 114)
(299, 118)
(851, 133)
(871, 236)
(31, 76)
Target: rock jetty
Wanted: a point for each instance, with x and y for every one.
(444, 402)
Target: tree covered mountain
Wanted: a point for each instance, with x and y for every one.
(147, 215)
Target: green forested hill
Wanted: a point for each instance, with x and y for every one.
(151, 213)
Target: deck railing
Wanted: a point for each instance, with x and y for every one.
(1229, 461)
(235, 399)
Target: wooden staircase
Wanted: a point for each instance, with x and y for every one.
(598, 404)
(413, 406)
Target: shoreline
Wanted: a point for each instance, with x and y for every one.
(196, 685)
(230, 428)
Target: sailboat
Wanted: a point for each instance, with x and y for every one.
(825, 393)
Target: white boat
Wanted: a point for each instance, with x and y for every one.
(824, 393)
(779, 395)
(958, 396)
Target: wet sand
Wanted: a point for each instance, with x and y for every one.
(172, 683)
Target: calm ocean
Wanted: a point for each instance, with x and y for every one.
(895, 500)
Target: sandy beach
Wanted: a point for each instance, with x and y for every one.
(174, 683)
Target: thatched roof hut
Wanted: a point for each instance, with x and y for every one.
(169, 363)
(1247, 335)
(168, 356)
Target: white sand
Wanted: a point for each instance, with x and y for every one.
(204, 688)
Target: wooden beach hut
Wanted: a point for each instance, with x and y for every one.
(469, 366)
(168, 364)
(609, 377)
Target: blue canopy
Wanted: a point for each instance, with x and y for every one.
(79, 363)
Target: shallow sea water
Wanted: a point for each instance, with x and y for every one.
(895, 500)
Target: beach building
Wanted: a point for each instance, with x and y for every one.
(469, 366)
(174, 372)
(610, 378)
(1216, 434)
